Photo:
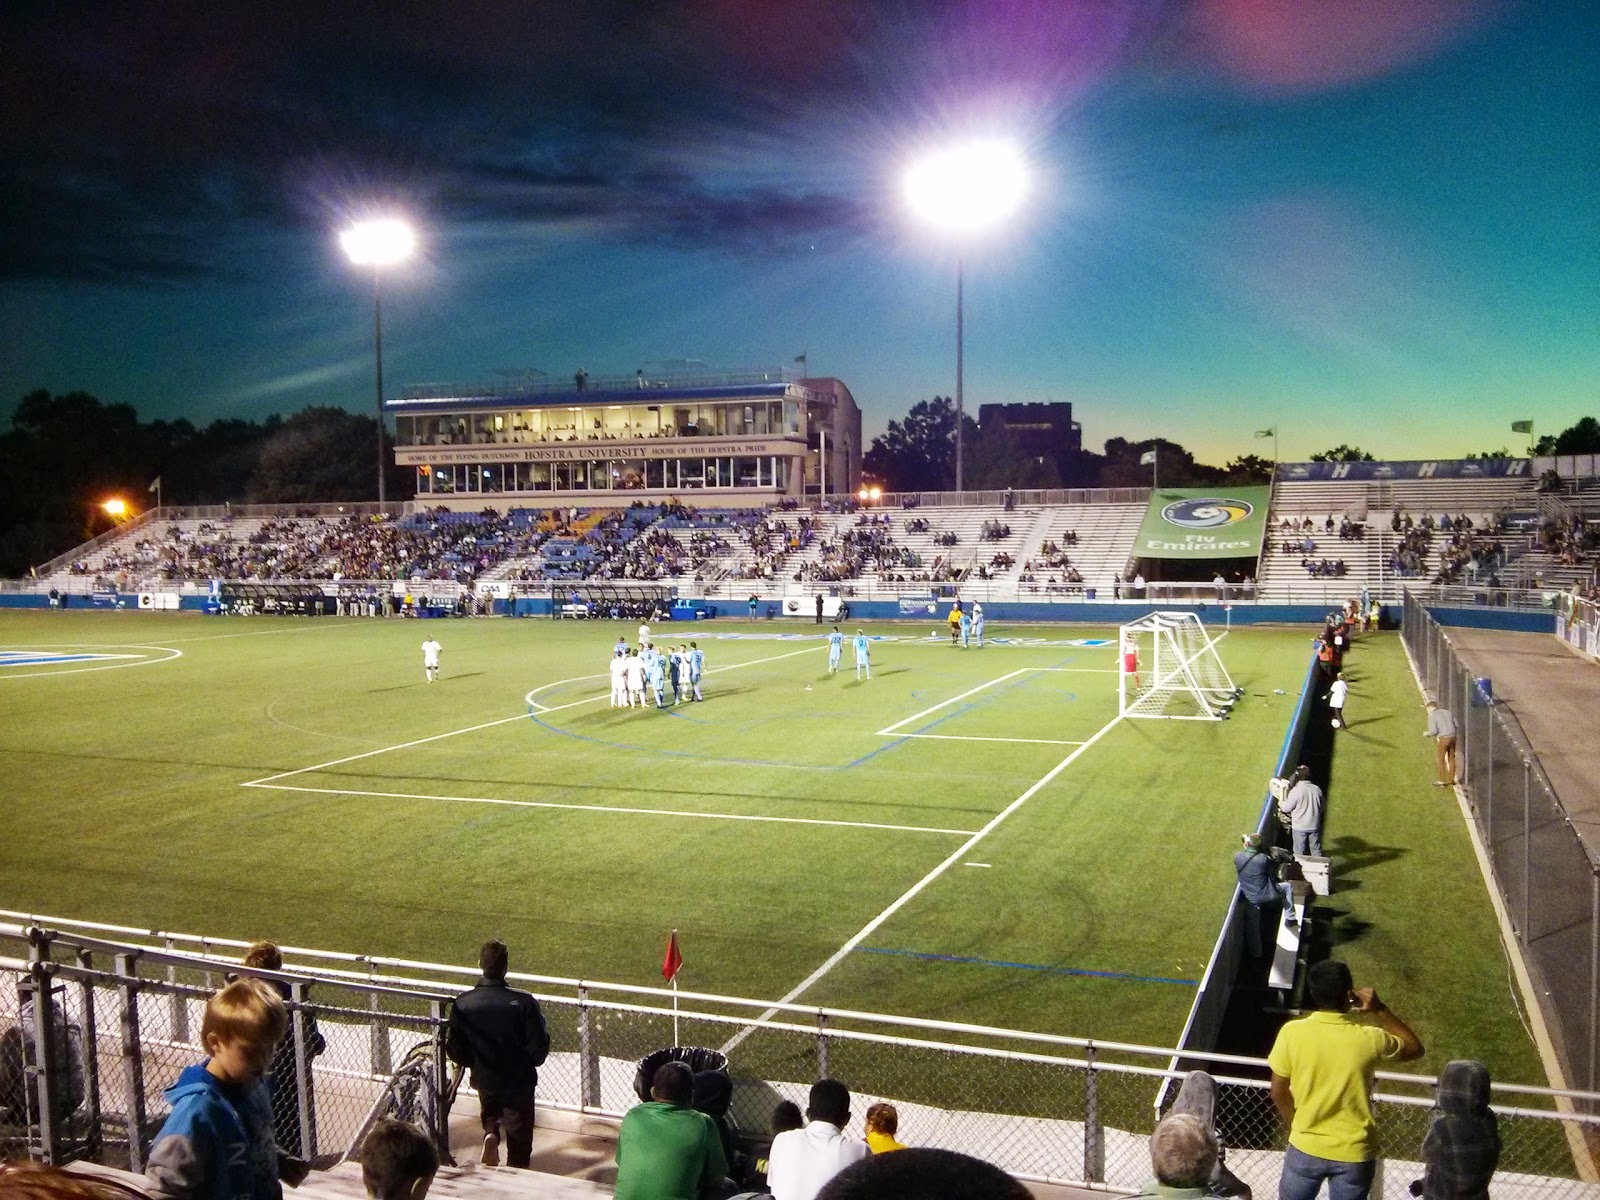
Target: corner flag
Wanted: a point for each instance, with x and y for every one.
(673, 961)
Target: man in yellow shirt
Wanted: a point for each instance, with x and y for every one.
(1322, 1068)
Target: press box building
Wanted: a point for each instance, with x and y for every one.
(729, 439)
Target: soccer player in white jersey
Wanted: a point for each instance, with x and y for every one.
(977, 624)
(430, 658)
(619, 680)
(835, 649)
(697, 665)
(635, 673)
(863, 659)
(644, 634)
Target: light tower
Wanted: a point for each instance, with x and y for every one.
(962, 191)
(378, 244)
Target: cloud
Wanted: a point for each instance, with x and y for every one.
(139, 139)
(1311, 45)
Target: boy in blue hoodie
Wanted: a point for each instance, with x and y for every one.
(217, 1143)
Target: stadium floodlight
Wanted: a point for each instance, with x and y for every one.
(968, 188)
(116, 508)
(378, 244)
(963, 190)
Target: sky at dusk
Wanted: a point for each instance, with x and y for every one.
(1363, 221)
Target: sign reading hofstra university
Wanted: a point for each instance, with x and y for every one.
(1446, 468)
(1203, 523)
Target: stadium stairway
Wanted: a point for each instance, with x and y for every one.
(1106, 534)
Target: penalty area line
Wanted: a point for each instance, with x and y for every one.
(534, 705)
(958, 737)
(916, 889)
(608, 808)
(889, 730)
(266, 779)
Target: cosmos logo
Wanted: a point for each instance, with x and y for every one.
(1209, 512)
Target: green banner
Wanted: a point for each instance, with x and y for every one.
(1203, 523)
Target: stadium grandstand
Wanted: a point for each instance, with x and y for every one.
(1330, 531)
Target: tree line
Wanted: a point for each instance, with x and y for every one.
(918, 454)
(63, 456)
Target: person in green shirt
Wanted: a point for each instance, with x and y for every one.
(666, 1149)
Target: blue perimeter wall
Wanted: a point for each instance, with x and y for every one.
(916, 610)
(1031, 613)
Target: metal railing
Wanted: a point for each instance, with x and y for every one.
(1548, 877)
(126, 1014)
(1578, 624)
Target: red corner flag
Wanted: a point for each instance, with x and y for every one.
(673, 960)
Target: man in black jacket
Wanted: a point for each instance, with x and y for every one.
(500, 1033)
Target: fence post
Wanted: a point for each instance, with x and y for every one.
(1527, 851)
(304, 1098)
(132, 1057)
(441, 1082)
(378, 1032)
(91, 1059)
(43, 1067)
(1094, 1143)
(588, 1054)
(180, 1002)
(1464, 767)
(822, 1045)
(1594, 980)
(1488, 799)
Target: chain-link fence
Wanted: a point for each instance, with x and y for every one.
(93, 1032)
(1548, 878)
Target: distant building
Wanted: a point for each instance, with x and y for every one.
(1040, 429)
(733, 438)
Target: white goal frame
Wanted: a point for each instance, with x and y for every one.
(1176, 658)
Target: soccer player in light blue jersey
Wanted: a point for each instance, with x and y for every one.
(966, 631)
(863, 659)
(657, 668)
(697, 665)
(977, 624)
(835, 649)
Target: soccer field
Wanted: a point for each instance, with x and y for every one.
(971, 834)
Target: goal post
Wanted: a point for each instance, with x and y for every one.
(1168, 666)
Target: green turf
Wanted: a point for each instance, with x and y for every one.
(1410, 912)
(1093, 912)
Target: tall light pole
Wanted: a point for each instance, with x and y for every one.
(964, 190)
(378, 244)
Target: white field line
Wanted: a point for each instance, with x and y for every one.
(267, 779)
(912, 892)
(139, 660)
(606, 808)
(946, 703)
(957, 737)
(24, 655)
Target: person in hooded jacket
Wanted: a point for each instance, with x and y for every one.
(1462, 1146)
(217, 1143)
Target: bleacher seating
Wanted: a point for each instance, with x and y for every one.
(1533, 540)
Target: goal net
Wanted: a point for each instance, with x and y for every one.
(1168, 666)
